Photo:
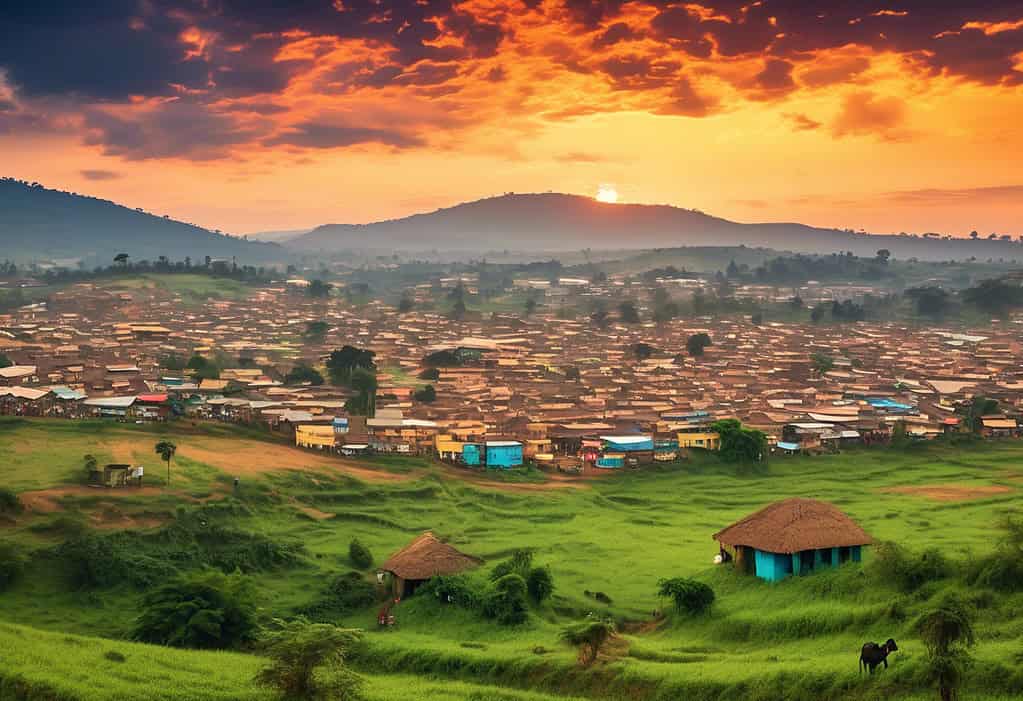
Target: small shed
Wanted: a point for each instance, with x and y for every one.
(425, 557)
(792, 537)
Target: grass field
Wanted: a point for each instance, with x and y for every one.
(193, 289)
(617, 535)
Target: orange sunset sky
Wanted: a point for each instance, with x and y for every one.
(257, 115)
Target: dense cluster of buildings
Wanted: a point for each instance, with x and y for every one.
(509, 388)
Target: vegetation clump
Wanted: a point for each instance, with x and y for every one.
(689, 596)
(590, 637)
(208, 610)
(344, 594)
(12, 564)
(947, 631)
(359, 555)
(309, 661)
(908, 571)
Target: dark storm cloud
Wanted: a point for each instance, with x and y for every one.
(322, 135)
(96, 174)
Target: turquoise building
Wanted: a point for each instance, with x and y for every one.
(792, 537)
(504, 454)
(501, 455)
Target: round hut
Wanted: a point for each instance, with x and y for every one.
(426, 556)
(793, 536)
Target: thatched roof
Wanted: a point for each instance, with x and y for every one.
(793, 525)
(426, 557)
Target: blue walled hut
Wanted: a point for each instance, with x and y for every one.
(503, 454)
(793, 537)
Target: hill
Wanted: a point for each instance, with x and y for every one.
(798, 639)
(277, 236)
(557, 222)
(41, 223)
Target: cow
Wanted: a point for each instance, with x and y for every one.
(873, 654)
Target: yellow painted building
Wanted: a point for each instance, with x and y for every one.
(709, 440)
(315, 436)
(447, 447)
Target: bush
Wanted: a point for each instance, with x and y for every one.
(10, 504)
(209, 610)
(1002, 569)
(506, 602)
(520, 563)
(299, 649)
(591, 636)
(114, 656)
(359, 555)
(689, 595)
(540, 584)
(454, 589)
(344, 594)
(12, 565)
(908, 571)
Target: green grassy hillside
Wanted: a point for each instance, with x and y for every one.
(796, 639)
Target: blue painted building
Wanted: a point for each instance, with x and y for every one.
(792, 537)
(503, 454)
(471, 454)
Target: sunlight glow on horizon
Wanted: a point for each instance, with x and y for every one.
(607, 194)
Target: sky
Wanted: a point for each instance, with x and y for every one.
(251, 115)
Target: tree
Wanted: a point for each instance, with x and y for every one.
(406, 304)
(426, 395)
(882, 256)
(360, 555)
(628, 313)
(165, 449)
(302, 374)
(572, 373)
(208, 610)
(122, 259)
(974, 411)
(364, 382)
(590, 636)
(689, 595)
(697, 343)
(430, 374)
(309, 661)
(342, 363)
(530, 306)
(318, 288)
(642, 351)
(740, 444)
(540, 584)
(5, 362)
(817, 314)
(822, 362)
(947, 631)
(316, 330)
(930, 300)
(994, 296)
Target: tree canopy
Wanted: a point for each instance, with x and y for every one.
(739, 444)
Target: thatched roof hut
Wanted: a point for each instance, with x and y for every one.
(425, 557)
(794, 525)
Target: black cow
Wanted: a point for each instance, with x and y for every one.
(873, 654)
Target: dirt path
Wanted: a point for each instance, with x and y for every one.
(951, 492)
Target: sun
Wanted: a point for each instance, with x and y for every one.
(607, 193)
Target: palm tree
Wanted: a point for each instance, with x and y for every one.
(166, 450)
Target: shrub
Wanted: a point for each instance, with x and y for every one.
(12, 565)
(591, 636)
(309, 661)
(598, 596)
(908, 571)
(430, 374)
(506, 602)
(360, 555)
(454, 589)
(520, 563)
(344, 594)
(689, 595)
(1002, 569)
(10, 504)
(114, 656)
(540, 584)
(209, 610)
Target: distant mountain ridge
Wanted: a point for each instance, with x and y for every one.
(557, 222)
(36, 222)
